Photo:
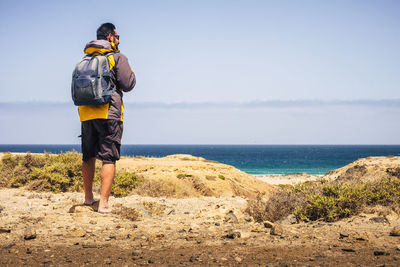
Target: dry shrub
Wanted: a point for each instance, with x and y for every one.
(278, 206)
(202, 188)
(154, 188)
(153, 207)
(127, 213)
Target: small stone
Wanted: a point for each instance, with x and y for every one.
(277, 230)
(223, 259)
(4, 230)
(77, 233)
(232, 234)
(247, 218)
(9, 246)
(158, 235)
(380, 253)
(231, 217)
(395, 231)
(379, 220)
(361, 236)
(290, 219)
(150, 261)
(171, 212)
(93, 222)
(343, 235)
(89, 246)
(348, 250)
(217, 224)
(28, 251)
(398, 247)
(256, 229)
(268, 224)
(29, 234)
(238, 259)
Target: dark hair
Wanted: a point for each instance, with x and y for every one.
(104, 30)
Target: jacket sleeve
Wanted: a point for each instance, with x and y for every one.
(126, 78)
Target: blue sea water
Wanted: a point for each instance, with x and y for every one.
(253, 159)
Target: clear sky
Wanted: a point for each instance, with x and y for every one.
(308, 62)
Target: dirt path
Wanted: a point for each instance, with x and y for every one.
(45, 229)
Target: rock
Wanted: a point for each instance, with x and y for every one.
(171, 212)
(29, 234)
(268, 224)
(398, 247)
(379, 220)
(247, 218)
(361, 236)
(238, 259)
(290, 219)
(343, 235)
(223, 259)
(277, 230)
(77, 233)
(231, 217)
(4, 230)
(89, 246)
(348, 250)
(9, 246)
(395, 231)
(381, 253)
(232, 234)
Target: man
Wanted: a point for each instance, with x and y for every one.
(102, 125)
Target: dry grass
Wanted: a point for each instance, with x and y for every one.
(153, 188)
(153, 207)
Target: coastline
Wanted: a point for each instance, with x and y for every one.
(291, 179)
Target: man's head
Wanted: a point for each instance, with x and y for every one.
(108, 32)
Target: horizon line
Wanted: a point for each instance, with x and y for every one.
(235, 104)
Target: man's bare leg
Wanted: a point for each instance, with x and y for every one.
(107, 178)
(88, 169)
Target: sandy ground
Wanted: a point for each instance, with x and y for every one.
(56, 230)
(46, 229)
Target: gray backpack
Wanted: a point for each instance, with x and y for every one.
(91, 80)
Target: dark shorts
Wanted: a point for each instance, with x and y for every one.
(101, 139)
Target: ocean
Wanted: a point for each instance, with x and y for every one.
(252, 159)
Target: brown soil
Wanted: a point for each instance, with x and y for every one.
(45, 229)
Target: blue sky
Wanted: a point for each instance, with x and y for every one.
(202, 67)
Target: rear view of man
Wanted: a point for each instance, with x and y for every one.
(102, 125)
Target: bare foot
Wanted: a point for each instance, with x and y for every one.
(89, 199)
(104, 207)
(105, 210)
(89, 202)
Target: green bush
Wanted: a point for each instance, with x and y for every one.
(124, 183)
(56, 173)
(329, 201)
